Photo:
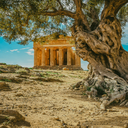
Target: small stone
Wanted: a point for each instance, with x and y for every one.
(19, 94)
(78, 124)
(57, 118)
(104, 95)
(81, 106)
(112, 110)
(126, 125)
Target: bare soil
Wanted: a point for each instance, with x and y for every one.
(44, 100)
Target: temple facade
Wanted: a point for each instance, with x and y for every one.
(56, 54)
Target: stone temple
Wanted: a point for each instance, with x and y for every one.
(56, 54)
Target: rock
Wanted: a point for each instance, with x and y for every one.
(22, 76)
(126, 125)
(78, 124)
(57, 118)
(65, 68)
(4, 70)
(4, 87)
(11, 70)
(22, 71)
(104, 95)
(17, 115)
(27, 69)
(16, 80)
(19, 94)
(63, 123)
(11, 79)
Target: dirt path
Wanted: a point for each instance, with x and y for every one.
(54, 105)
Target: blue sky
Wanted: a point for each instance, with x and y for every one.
(24, 55)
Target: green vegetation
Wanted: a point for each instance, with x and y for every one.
(30, 68)
(22, 71)
(89, 88)
(84, 93)
(7, 80)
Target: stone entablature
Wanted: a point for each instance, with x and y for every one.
(56, 53)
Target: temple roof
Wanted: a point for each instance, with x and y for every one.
(61, 41)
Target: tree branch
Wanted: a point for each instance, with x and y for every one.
(60, 4)
(59, 12)
(78, 4)
(80, 14)
(94, 15)
(112, 7)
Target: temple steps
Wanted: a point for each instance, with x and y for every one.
(57, 67)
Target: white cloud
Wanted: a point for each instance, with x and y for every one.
(24, 48)
(30, 52)
(14, 50)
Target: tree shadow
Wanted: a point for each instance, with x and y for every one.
(113, 121)
(12, 118)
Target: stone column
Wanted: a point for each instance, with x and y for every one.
(55, 56)
(60, 56)
(68, 56)
(51, 57)
(35, 56)
(43, 57)
(47, 57)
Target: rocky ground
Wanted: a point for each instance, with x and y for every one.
(31, 98)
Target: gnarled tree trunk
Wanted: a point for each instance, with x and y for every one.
(108, 61)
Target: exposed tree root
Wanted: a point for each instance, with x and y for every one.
(107, 89)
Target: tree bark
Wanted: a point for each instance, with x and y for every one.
(103, 50)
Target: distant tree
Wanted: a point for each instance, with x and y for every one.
(96, 26)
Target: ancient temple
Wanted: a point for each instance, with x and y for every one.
(56, 54)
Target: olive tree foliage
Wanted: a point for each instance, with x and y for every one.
(96, 26)
(26, 20)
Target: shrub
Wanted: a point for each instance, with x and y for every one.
(22, 71)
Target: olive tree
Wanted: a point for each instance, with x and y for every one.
(96, 26)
